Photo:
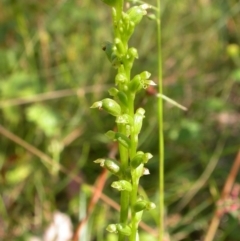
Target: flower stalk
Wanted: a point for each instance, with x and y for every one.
(129, 121)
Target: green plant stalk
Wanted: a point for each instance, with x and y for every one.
(160, 118)
(134, 221)
(129, 121)
(119, 9)
(125, 156)
(124, 200)
(135, 179)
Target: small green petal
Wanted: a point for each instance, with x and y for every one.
(138, 119)
(112, 228)
(101, 161)
(97, 104)
(111, 135)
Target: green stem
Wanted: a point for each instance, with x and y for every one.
(161, 136)
(119, 9)
(134, 221)
(124, 201)
(124, 155)
(135, 178)
(127, 155)
(134, 138)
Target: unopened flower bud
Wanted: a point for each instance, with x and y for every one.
(150, 206)
(112, 166)
(144, 205)
(129, 30)
(128, 130)
(120, 138)
(136, 13)
(140, 158)
(132, 53)
(112, 228)
(122, 185)
(137, 160)
(140, 205)
(138, 119)
(145, 75)
(135, 84)
(119, 45)
(152, 16)
(123, 99)
(113, 91)
(116, 61)
(109, 105)
(130, 57)
(108, 49)
(147, 157)
(124, 229)
(120, 78)
(125, 18)
(124, 119)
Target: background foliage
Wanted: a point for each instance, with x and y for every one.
(55, 46)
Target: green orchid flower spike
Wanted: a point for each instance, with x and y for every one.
(129, 121)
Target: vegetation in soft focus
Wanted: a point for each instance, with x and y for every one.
(52, 68)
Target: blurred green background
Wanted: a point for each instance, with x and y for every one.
(55, 47)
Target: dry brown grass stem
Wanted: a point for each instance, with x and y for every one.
(225, 194)
(53, 95)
